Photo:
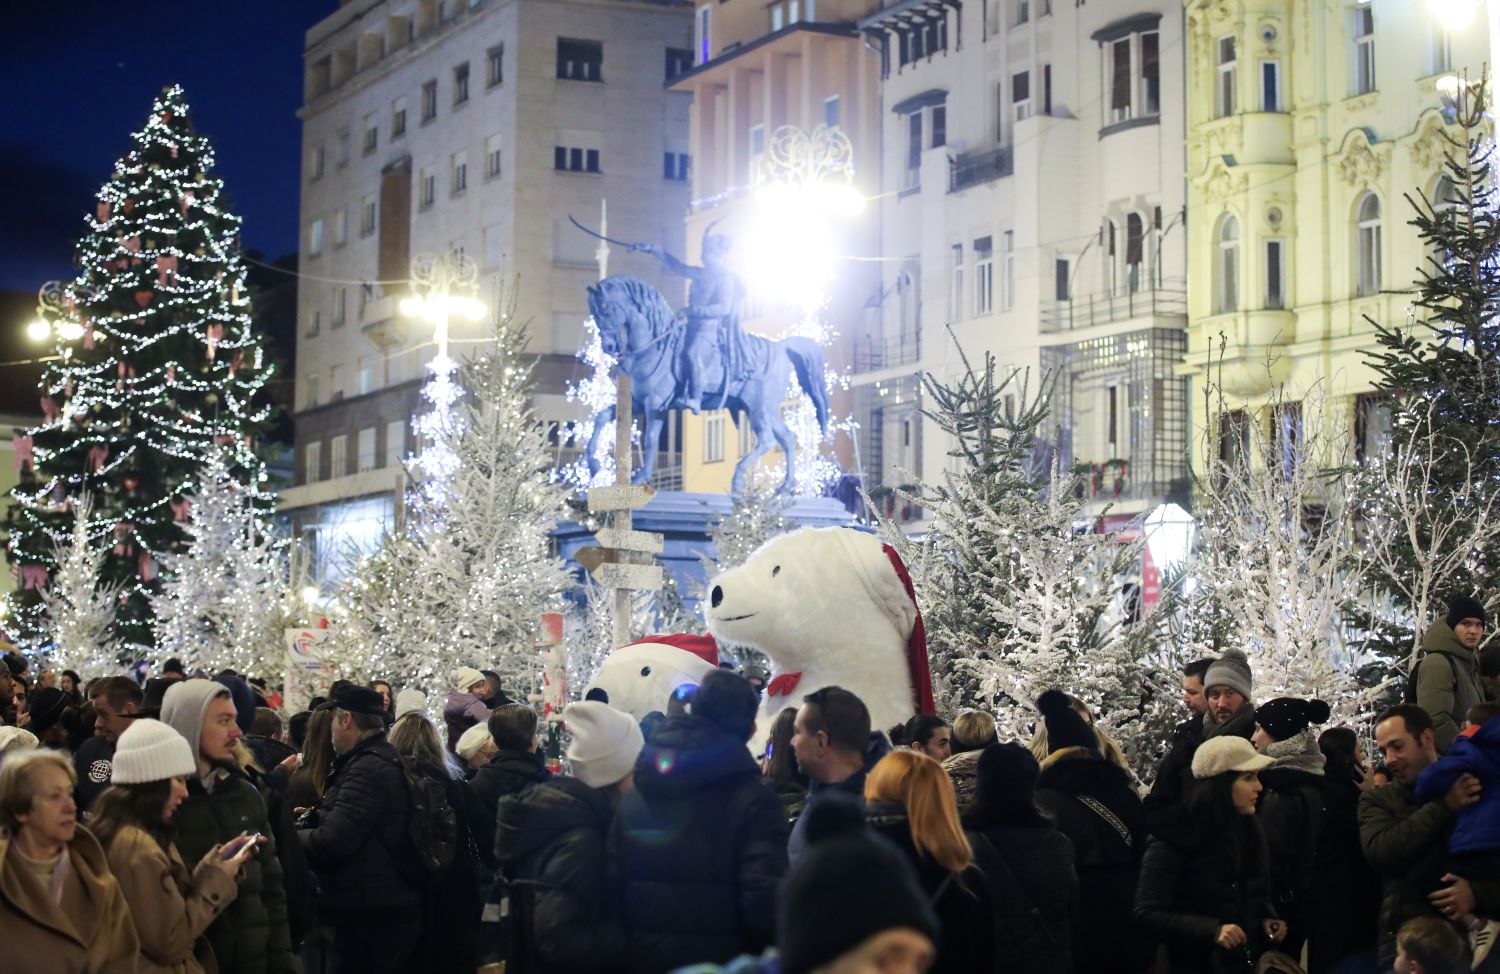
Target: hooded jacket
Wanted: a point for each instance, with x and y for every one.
(550, 841)
(462, 711)
(1478, 826)
(507, 773)
(97, 938)
(1447, 692)
(700, 845)
(169, 922)
(1290, 808)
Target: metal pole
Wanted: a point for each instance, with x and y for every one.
(624, 420)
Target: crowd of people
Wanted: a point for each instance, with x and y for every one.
(180, 825)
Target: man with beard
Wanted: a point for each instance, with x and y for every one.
(1229, 711)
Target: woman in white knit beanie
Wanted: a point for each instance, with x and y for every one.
(171, 907)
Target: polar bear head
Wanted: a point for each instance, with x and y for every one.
(639, 678)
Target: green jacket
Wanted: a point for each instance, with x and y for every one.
(1447, 692)
(251, 935)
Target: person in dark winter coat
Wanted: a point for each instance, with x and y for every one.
(1345, 893)
(1228, 711)
(1205, 887)
(356, 843)
(251, 936)
(1094, 804)
(1034, 885)
(465, 706)
(835, 748)
(780, 765)
(1447, 671)
(700, 843)
(116, 701)
(515, 767)
(1291, 805)
(551, 843)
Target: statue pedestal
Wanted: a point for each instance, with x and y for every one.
(683, 520)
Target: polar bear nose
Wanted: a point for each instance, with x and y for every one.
(715, 597)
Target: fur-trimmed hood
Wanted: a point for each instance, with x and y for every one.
(1297, 753)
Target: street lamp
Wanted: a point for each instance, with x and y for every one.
(52, 317)
(1459, 15)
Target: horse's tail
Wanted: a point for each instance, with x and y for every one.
(807, 359)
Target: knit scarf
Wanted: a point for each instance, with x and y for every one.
(1299, 753)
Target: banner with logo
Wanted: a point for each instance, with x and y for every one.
(308, 674)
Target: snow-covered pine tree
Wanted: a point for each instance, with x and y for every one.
(156, 366)
(79, 607)
(465, 584)
(221, 601)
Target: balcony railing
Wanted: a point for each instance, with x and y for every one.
(872, 354)
(1104, 307)
(979, 167)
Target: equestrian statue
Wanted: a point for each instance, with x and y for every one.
(702, 358)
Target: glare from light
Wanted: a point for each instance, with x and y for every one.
(1454, 15)
(1449, 86)
(791, 247)
(310, 594)
(1169, 537)
(413, 307)
(38, 330)
(69, 331)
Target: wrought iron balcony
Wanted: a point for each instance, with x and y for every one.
(1104, 307)
(974, 168)
(872, 354)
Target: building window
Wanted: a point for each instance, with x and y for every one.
(757, 154)
(343, 147)
(674, 166)
(315, 238)
(984, 275)
(1270, 86)
(398, 118)
(312, 463)
(315, 163)
(310, 388)
(1135, 252)
(340, 306)
(341, 228)
(1364, 48)
(912, 174)
(1374, 420)
(939, 126)
(367, 215)
(459, 172)
(1275, 275)
(956, 295)
(579, 60)
(1224, 100)
(395, 443)
(1234, 439)
(1440, 52)
(831, 108)
(929, 37)
(1111, 259)
(492, 157)
(372, 134)
(1228, 291)
(1444, 202)
(429, 100)
(713, 436)
(1046, 89)
(315, 324)
(1021, 12)
(575, 159)
(494, 66)
(747, 436)
(1000, 107)
(1150, 73)
(338, 456)
(429, 188)
(1020, 95)
(1367, 245)
(364, 458)
(1134, 73)
(1119, 80)
(460, 84)
(1061, 279)
(1008, 292)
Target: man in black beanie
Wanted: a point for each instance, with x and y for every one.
(1446, 688)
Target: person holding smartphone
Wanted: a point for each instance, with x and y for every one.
(171, 906)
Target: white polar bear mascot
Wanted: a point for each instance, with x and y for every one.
(640, 677)
(829, 607)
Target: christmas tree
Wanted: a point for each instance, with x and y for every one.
(78, 607)
(156, 367)
(466, 580)
(220, 606)
(1439, 483)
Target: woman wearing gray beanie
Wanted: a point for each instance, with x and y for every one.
(171, 907)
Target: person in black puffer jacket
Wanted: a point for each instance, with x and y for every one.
(702, 841)
(1345, 890)
(1291, 806)
(514, 768)
(551, 843)
(357, 845)
(1093, 803)
(1034, 885)
(1205, 886)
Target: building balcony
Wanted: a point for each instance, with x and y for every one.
(872, 354)
(385, 326)
(1113, 481)
(1107, 307)
(974, 168)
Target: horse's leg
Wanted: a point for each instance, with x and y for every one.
(603, 418)
(760, 421)
(651, 424)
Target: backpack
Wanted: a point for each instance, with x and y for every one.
(431, 825)
(1409, 693)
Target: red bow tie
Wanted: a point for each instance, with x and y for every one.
(783, 685)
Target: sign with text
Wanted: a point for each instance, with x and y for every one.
(308, 674)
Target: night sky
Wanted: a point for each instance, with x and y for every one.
(78, 78)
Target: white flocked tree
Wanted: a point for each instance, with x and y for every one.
(79, 605)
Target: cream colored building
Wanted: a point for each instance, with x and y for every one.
(478, 126)
(1308, 124)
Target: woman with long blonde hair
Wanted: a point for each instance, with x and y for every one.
(910, 801)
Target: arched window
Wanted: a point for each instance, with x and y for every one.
(1135, 249)
(1111, 265)
(1227, 286)
(1444, 200)
(1367, 245)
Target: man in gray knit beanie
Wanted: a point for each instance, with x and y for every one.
(1227, 686)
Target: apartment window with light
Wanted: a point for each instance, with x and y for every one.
(312, 463)
(674, 166)
(1020, 95)
(956, 293)
(460, 84)
(398, 118)
(372, 134)
(1364, 48)
(492, 157)
(713, 436)
(1275, 274)
(459, 171)
(494, 66)
(580, 60)
(315, 238)
(984, 275)
(429, 188)
(1008, 292)
(338, 456)
(1224, 99)
(367, 215)
(1227, 296)
(1367, 245)
(315, 164)
(429, 100)
(1270, 86)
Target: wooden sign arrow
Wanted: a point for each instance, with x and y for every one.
(590, 557)
(638, 577)
(629, 540)
(621, 497)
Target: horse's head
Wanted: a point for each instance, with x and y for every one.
(610, 317)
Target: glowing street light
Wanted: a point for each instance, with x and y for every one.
(1454, 15)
